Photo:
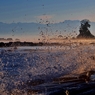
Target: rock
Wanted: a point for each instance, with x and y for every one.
(86, 76)
(84, 31)
(65, 79)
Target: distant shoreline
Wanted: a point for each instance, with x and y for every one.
(51, 43)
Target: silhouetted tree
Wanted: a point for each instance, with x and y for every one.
(84, 31)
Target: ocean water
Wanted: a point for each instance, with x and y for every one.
(17, 66)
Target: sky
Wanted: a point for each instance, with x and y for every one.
(27, 11)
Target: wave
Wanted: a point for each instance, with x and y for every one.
(18, 66)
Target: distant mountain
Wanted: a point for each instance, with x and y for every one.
(67, 26)
(18, 27)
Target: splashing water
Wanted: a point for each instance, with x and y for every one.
(31, 63)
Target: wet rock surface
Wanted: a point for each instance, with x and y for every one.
(82, 84)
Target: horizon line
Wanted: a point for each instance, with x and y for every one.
(43, 23)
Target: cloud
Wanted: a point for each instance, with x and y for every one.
(45, 17)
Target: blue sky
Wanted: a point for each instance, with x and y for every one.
(55, 10)
(43, 10)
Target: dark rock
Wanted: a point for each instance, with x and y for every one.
(86, 75)
(65, 79)
(84, 31)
